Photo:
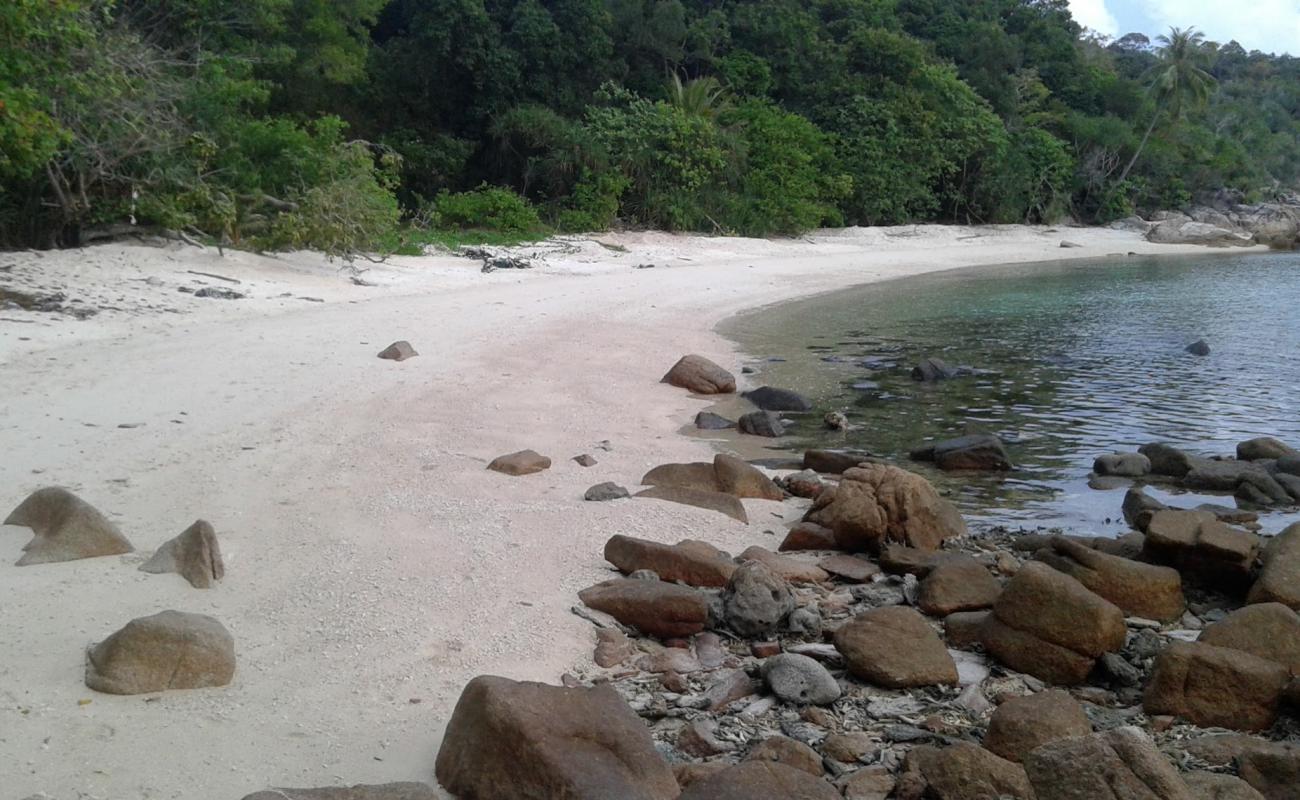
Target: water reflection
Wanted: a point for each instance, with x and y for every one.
(1069, 361)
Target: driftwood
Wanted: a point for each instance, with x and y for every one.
(213, 275)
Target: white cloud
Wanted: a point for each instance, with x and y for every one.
(1094, 14)
(1268, 25)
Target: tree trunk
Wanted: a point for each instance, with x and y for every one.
(1138, 153)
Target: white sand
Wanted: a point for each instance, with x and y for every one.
(371, 560)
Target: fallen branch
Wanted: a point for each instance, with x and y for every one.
(213, 275)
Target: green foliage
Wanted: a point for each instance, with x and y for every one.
(1027, 180)
(488, 208)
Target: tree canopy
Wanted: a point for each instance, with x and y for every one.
(338, 124)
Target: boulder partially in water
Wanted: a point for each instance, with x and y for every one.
(770, 398)
(762, 423)
(980, 451)
(875, 504)
(700, 375)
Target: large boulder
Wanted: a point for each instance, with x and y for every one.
(756, 600)
(896, 648)
(964, 771)
(711, 501)
(1279, 582)
(1263, 447)
(689, 561)
(759, 780)
(1168, 460)
(1120, 764)
(1267, 630)
(770, 398)
(1051, 626)
(509, 740)
(700, 375)
(789, 569)
(1139, 507)
(194, 555)
(980, 451)
(1215, 687)
(169, 650)
(957, 584)
(657, 608)
(876, 504)
(1023, 724)
(381, 791)
(1236, 476)
(1271, 224)
(742, 479)
(66, 527)
(1140, 590)
(1176, 231)
(1215, 786)
(1197, 544)
(697, 475)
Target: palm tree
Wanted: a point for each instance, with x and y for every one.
(706, 96)
(1178, 81)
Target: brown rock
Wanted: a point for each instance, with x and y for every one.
(700, 375)
(849, 748)
(900, 559)
(964, 771)
(169, 650)
(1279, 582)
(1121, 764)
(653, 607)
(964, 628)
(1051, 626)
(850, 568)
(869, 783)
(1213, 786)
(1140, 590)
(959, 584)
(1215, 687)
(787, 751)
(690, 772)
(67, 528)
(700, 739)
(808, 536)
(764, 649)
(1263, 447)
(894, 647)
(835, 462)
(524, 462)
(790, 569)
(739, 478)
(876, 503)
(713, 501)
(382, 791)
(1272, 768)
(697, 475)
(1025, 723)
(760, 780)
(612, 648)
(1267, 630)
(509, 740)
(729, 687)
(194, 555)
(1198, 544)
(398, 351)
(689, 561)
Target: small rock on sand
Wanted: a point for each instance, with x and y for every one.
(603, 492)
(524, 462)
(398, 351)
(700, 375)
(194, 555)
(66, 527)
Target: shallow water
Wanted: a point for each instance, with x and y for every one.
(1071, 360)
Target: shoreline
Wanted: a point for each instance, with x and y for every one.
(372, 562)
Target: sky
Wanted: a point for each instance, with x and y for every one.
(1269, 25)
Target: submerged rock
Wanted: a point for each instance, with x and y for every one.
(762, 423)
(770, 398)
(67, 528)
(975, 452)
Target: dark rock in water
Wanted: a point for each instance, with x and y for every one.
(1124, 465)
(748, 371)
(865, 386)
(1138, 508)
(524, 462)
(974, 452)
(1263, 447)
(398, 351)
(708, 421)
(1199, 348)
(169, 650)
(606, 491)
(381, 791)
(508, 740)
(194, 555)
(933, 369)
(1288, 464)
(66, 527)
(713, 501)
(1229, 476)
(762, 423)
(1167, 460)
(834, 462)
(770, 398)
(700, 375)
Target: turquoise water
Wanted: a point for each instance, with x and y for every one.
(1071, 361)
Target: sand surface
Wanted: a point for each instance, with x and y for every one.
(373, 565)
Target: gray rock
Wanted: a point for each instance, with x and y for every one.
(708, 421)
(806, 621)
(1167, 459)
(1124, 465)
(933, 369)
(398, 351)
(66, 528)
(770, 398)
(762, 423)
(756, 600)
(1198, 348)
(800, 679)
(606, 491)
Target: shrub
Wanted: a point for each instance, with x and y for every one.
(487, 208)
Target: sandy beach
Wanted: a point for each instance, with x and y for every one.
(373, 565)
